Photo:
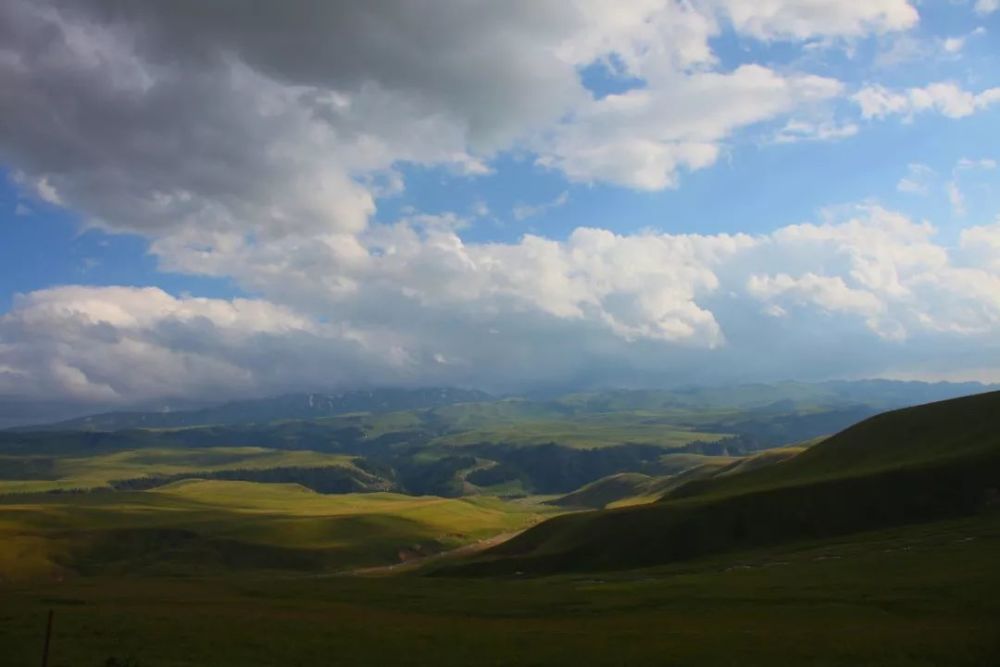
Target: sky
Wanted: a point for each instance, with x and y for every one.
(209, 201)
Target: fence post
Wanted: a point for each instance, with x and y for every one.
(48, 639)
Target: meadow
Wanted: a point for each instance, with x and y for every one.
(194, 546)
(199, 526)
(908, 597)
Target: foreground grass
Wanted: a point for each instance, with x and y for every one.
(925, 595)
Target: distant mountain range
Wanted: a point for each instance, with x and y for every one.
(304, 406)
(860, 398)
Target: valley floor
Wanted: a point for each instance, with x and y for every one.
(922, 595)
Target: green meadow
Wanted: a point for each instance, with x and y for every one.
(51, 473)
(202, 526)
(916, 596)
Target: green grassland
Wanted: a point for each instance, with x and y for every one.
(581, 432)
(48, 473)
(910, 597)
(199, 527)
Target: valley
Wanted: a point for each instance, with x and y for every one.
(623, 528)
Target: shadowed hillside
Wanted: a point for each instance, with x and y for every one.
(918, 464)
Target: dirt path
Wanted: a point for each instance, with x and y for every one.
(414, 563)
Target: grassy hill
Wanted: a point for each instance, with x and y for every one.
(606, 490)
(624, 489)
(218, 527)
(147, 468)
(907, 466)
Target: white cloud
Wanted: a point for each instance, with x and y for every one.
(644, 137)
(208, 130)
(86, 343)
(984, 7)
(955, 197)
(966, 164)
(524, 211)
(801, 130)
(953, 44)
(946, 98)
(916, 180)
(253, 146)
(596, 307)
(791, 19)
(982, 244)
(886, 268)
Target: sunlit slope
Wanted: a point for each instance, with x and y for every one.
(625, 489)
(31, 474)
(217, 527)
(924, 435)
(919, 464)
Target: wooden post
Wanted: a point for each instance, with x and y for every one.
(48, 639)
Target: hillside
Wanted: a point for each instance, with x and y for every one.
(907, 466)
(220, 527)
(625, 489)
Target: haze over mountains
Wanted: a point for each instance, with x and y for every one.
(875, 394)
(289, 406)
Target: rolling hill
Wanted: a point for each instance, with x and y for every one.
(219, 527)
(624, 489)
(918, 464)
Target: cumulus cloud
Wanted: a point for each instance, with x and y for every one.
(255, 145)
(121, 345)
(643, 137)
(152, 116)
(787, 19)
(598, 307)
(946, 98)
(982, 244)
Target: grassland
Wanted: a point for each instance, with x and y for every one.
(912, 597)
(49, 473)
(584, 432)
(198, 527)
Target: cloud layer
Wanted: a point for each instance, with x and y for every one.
(254, 145)
(598, 308)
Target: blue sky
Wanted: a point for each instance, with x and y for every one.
(617, 194)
